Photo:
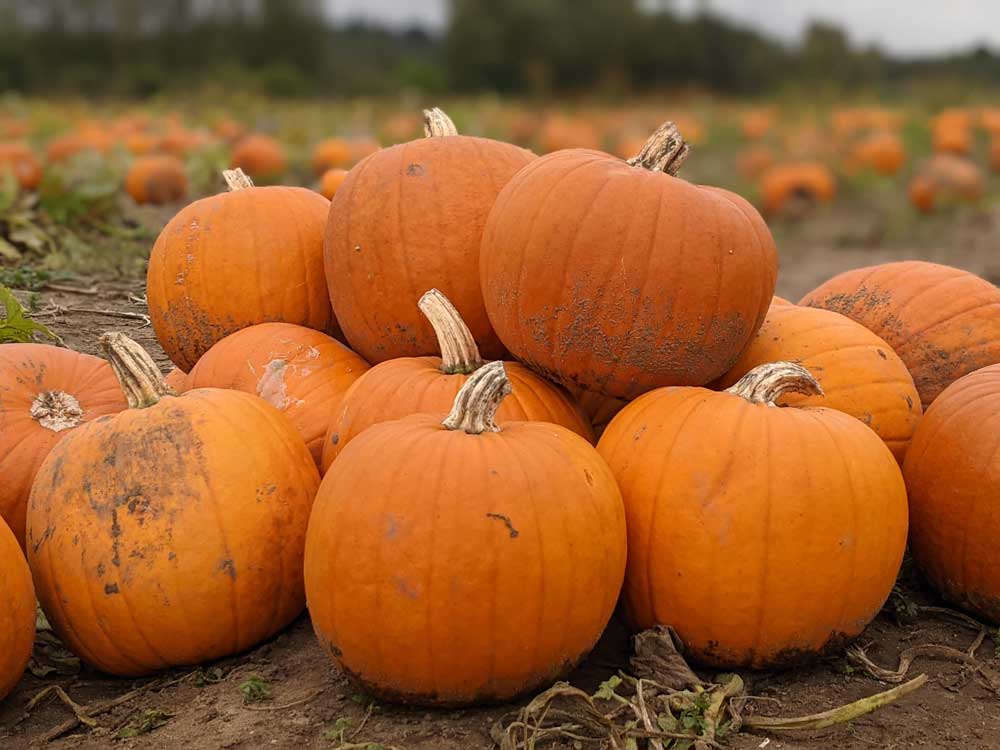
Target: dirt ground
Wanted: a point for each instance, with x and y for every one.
(311, 705)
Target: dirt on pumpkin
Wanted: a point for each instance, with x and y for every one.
(286, 694)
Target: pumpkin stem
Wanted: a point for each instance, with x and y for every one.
(459, 353)
(136, 371)
(767, 383)
(56, 410)
(476, 404)
(437, 124)
(665, 151)
(236, 179)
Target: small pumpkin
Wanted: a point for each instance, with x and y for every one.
(228, 261)
(45, 392)
(17, 612)
(792, 186)
(943, 322)
(618, 277)
(859, 373)
(331, 181)
(946, 178)
(953, 481)
(329, 154)
(300, 372)
(21, 161)
(499, 547)
(409, 218)
(156, 180)
(808, 500)
(178, 525)
(419, 385)
(882, 153)
(260, 156)
(65, 147)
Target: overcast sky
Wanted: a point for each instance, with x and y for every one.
(900, 26)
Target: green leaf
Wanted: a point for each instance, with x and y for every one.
(255, 689)
(17, 327)
(606, 691)
(144, 722)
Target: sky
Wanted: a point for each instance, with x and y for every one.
(903, 27)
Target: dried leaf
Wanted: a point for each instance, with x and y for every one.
(657, 657)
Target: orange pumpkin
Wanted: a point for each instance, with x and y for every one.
(331, 181)
(300, 372)
(882, 153)
(809, 500)
(409, 218)
(859, 373)
(922, 192)
(178, 525)
(951, 138)
(156, 180)
(20, 160)
(499, 548)
(600, 409)
(946, 178)
(787, 187)
(754, 161)
(953, 482)
(140, 144)
(400, 387)
(260, 156)
(229, 130)
(176, 380)
(559, 132)
(45, 392)
(330, 153)
(755, 124)
(942, 322)
(17, 612)
(67, 146)
(227, 262)
(618, 277)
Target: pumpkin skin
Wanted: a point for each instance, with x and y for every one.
(809, 499)
(952, 479)
(170, 528)
(859, 373)
(416, 211)
(942, 322)
(570, 254)
(331, 181)
(260, 156)
(64, 389)
(17, 612)
(176, 380)
(21, 160)
(227, 262)
(505, 560)
(428, 385)
(300, 372)
(156, 180)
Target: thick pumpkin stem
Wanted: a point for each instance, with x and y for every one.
(665, 151)
(477, 403)
(767, 383)
(438, 124)
(459, 353)
(237, 179)
(136, 371)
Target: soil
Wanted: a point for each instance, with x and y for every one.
(312, 705)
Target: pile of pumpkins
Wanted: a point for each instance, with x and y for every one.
(442, 344)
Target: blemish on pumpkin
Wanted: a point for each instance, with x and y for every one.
(882, 354)
(391, 528)
(416, 170)
(272, 387)
(335, 438)
(171, 556)
(404, 588)
(589, 477)
(100, 570)
(227, 567)
(510, 527)
(110, 588)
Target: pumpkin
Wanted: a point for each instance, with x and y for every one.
(618, 277)
(922, 193)
(757, 123)
(20, 160)
(942, 322)
(329, 154)
(600, 409)
(180, 142)
(140, 144)
(362, 147)
(45, 392)
(229, 130)
(953, 481)
(176, 380)
(300, 372)
(260, 156)
(882, 153)
(789, 187)
(178, 525)
(762, 535)
(754, 161)
(559, 132)
(859, 373)
(418, 385)
(251, 255)
(17, 612)
(951, 138)
(946, 178)
(65, 147)
(499, 548)
(409, 218)
(156, 180)
(331, 181)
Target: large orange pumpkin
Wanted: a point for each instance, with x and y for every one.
(763, 535)
(45, 391)
(859, 373)
(463, 561)
(953, 477)
(943, 322)
(21, 161)
(17, 612)
(409, 218)
(260, 156)
(420, 385)
(156, 180)
(618, 277)
(299, 371)
(173, 532)
(252, 255)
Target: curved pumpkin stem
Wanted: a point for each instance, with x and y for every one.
(459, 353)
(437, 124)
(136, 371)
(476, 404)
(767, 383)
(665, 151)
(236, 179)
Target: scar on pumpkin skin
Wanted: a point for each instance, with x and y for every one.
(510, 527)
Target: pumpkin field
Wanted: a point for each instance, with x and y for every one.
(481, 422)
